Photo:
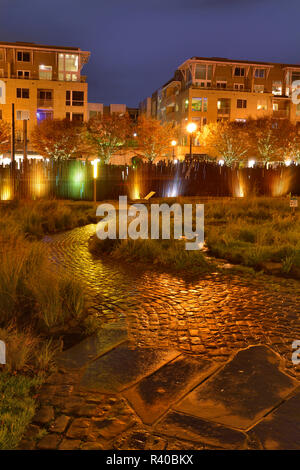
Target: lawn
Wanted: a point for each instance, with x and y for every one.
(261, 233)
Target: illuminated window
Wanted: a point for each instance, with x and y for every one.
(23, 56)
(199, 104)
(277, 88)
(260, 73)
(239, 72)
(23, 74)
(241, 104)
(45, 72)
(262, 105)
(275, 106)
(258, 88)
(22, 92)
(42, 114)
(68, 67)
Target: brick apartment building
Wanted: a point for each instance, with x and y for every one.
(205, 90)
(42, 82)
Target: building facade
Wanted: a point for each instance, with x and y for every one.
(42, 82)
(205, 90)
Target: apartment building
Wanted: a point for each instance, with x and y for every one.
(41, 81)
(205, 90)
(97, 109)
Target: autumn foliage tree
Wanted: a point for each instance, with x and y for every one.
(264, 137)
(225, 140)
(109, 134)
(58, 139)
(5, 137)
(154, 138)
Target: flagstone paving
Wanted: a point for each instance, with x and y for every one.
(181, 363)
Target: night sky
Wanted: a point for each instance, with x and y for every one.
(137, 44)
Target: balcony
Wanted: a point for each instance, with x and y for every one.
(281, 114)
(44, 103)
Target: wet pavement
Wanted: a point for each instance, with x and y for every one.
(180, 363)
(213, 315)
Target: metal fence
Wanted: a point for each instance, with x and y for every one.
(75, 180)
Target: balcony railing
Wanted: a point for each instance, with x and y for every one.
(82, 78)
(224, 110)
(281, 113)
(44, 103)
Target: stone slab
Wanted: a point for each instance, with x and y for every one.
(100, 343)
(241, 393)
(123, 367)
(195, 429)
(281, 429)
(154, 394)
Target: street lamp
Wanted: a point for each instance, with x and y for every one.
(191, 128)
(174, 143)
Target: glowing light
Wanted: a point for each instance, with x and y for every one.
(221, 162)
(136, 192)
(5, 194)
(191, 127)
(134, 134)
(173, 143)
(95, 165)
(288, 162)
(175, 161)
(251, 163)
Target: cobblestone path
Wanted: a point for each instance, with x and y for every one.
(180, 363)
(213, 315)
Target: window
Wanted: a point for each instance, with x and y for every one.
(23, 56)
(23, 74)
(68, 116)
(221, 84)
(262, 105)
(260, 73)
(241, 104)
(1, 72)
(68, 67)
(77, 98)
(275, 106)
(0, 114)
(277, 88)
(22, 92)
(239, 72)
(77, 117)
(22, 115)
(203, 74)
(199, 104)
(223, 106)
(238, 86)
(42, 114)
(258, 88)
(1, 55)
(45, 98)
(45, 72)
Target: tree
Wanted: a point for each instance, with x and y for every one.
(289, 141)
(5, 136)
(154, 138)
(226, 140)
(109, 134)
(264, 137)
(58, 139)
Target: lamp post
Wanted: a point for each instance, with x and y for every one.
(174, 143)
(191, 128)
(95, 174)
